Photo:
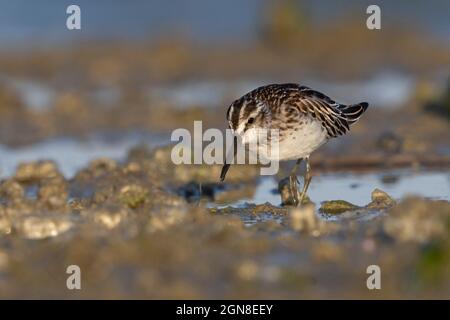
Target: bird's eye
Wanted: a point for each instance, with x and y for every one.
(251, 120)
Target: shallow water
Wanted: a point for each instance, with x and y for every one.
(357, 188)
(73, 154)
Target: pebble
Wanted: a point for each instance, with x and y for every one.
(32, 171)
(133, 195)
(33, 227)
(304, 218)
(381, 200)
(109, 218)
(12, 191)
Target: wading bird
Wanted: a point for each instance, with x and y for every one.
(305, 120)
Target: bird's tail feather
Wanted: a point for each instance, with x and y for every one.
(354, 112)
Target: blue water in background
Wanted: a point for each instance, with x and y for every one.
(43, 22)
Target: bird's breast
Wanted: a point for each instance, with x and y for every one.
(301, 140)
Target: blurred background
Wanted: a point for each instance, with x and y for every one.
(146, 67)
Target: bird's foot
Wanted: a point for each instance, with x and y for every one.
(303, 199)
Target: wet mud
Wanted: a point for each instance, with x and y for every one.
(143, 228)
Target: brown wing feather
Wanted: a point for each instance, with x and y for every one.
(324, 109)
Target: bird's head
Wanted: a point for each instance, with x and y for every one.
(246, 116)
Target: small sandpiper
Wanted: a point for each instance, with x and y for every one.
(305, 120)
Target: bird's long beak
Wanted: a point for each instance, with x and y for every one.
(224, 171)
(227, 165)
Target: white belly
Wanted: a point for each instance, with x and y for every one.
(302, 142)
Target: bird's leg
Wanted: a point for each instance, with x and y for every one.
(293, 182)
(307, 180)
(293, 189)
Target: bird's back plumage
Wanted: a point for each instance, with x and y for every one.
(292, 101)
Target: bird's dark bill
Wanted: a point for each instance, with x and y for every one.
(225, 168)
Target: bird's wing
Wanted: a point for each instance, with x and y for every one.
(322, 108)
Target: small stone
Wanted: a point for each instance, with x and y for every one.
(304, 218)
(109, 219)
(77, 204)
(337, 206)
(12, 191)
(380, 200)
(42, 227)
(53, 192)
(132, 167)
(101, 165)
(133, 195)
(102, 194)
(32, 171)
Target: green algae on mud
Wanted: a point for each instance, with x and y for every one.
(380, 201)
(337, 206)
